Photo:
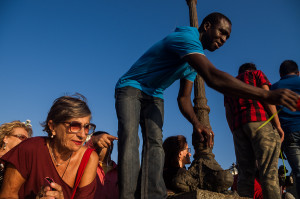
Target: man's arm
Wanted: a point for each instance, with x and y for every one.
(271, 109)
(186, 108)
(227, 84)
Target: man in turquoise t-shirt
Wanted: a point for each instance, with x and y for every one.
(162, 64)
(139, 100)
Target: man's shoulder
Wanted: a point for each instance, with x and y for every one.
(185, 29)
(275, 85)
(258, 72)
(287, 82)
(186, 32)
(260, 75)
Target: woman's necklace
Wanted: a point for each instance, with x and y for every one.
(66, 166)
(58, 164)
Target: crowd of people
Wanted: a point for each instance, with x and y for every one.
(60, 165)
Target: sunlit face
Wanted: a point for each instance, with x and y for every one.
(18, 135)
(214, 36)
(65, 138)
(185, 156)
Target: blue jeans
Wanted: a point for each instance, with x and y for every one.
(135, 108)
(291, 148)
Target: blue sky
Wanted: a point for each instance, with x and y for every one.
(51, 48)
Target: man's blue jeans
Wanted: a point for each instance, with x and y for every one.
(134, 107)
(291, 148)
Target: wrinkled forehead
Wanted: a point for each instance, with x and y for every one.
(20, 131)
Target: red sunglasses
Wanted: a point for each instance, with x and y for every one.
(76, 127)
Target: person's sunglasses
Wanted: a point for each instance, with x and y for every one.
(20, 136)
(75, 127)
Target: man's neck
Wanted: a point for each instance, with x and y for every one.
(293, 73)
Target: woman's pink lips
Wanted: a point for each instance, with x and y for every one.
(77, 142)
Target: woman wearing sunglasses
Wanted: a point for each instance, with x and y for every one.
(11, 134)
(47, 167)
(177, 155)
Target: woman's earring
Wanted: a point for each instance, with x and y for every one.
(52, 136)
(4, 147)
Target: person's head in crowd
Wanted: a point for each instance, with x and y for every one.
(247, 67)
(214, 29)
(103, 152)
(177, 152)
(288, 67)
(12, 133)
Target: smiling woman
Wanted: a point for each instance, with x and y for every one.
(59, 156)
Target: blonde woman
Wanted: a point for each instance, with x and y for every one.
(12, 134)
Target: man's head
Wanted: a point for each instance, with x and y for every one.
(177, 153)
(288, 67)
(247, 67)
(214, 30)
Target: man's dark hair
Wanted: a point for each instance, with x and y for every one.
(247, 66)
(214, 19)
(172, 147)
(288, 66)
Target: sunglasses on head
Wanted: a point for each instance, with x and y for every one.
(75, 127)
(20, 136)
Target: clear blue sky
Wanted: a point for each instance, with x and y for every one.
(51, 48)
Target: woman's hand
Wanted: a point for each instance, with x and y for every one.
(55, 193)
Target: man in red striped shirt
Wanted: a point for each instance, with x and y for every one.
(245, 116)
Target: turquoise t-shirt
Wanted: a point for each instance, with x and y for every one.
(163, 63)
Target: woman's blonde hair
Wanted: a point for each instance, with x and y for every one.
(6, 129)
